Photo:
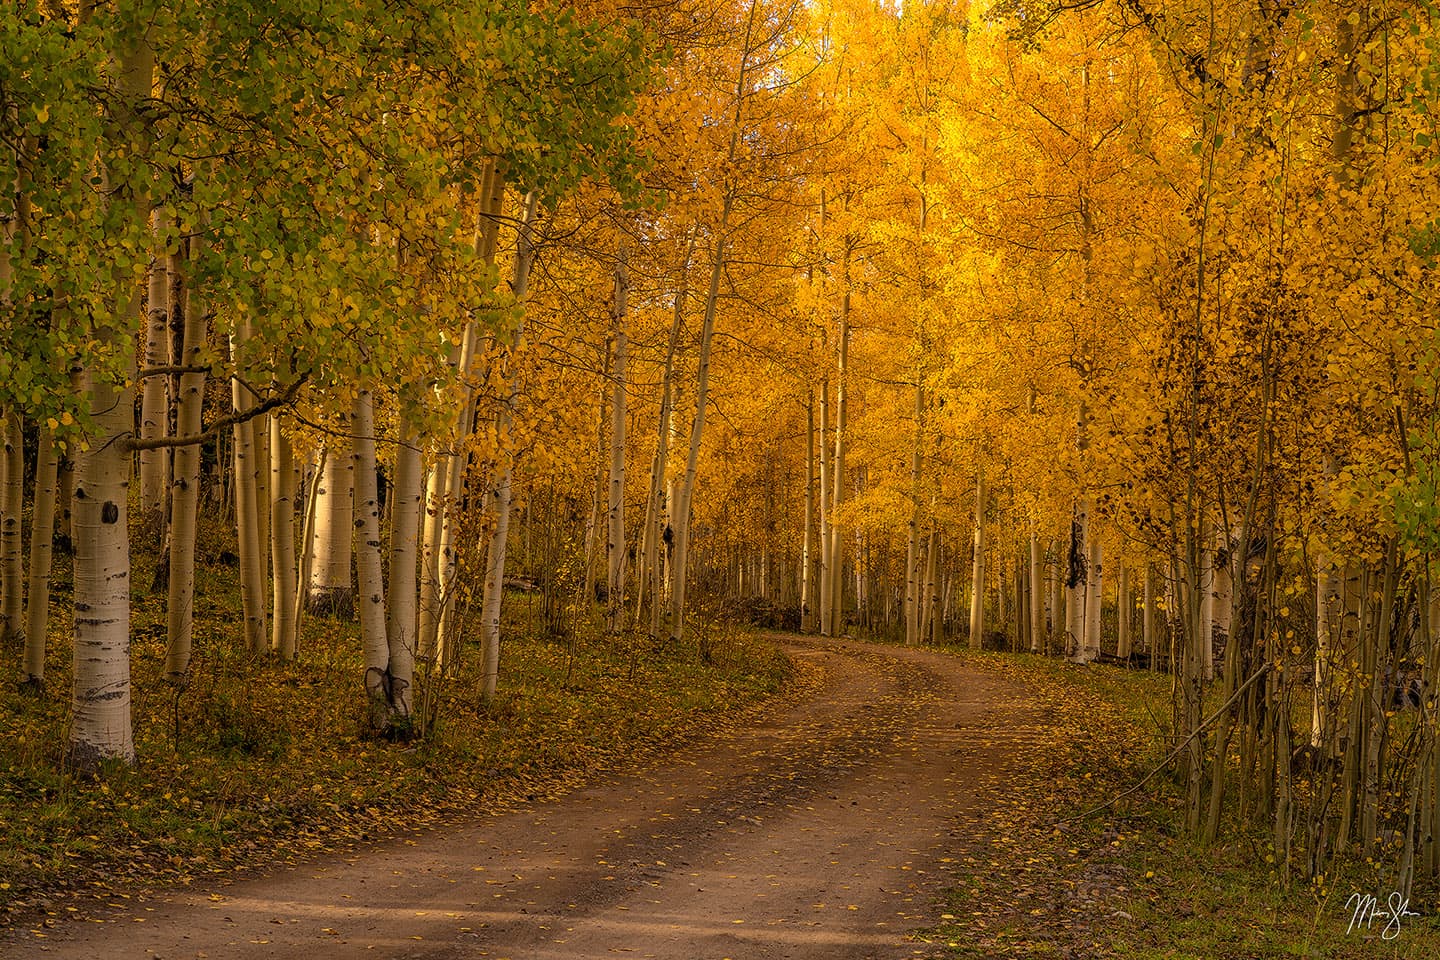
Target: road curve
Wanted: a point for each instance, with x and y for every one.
(822, 831)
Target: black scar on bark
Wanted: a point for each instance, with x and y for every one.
(109, 513)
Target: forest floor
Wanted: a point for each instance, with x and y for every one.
(893, 803)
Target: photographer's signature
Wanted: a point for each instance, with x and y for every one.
(1366, 910)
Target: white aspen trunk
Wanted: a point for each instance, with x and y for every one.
(615, 539)
(407, 503)
(1328, 614)
(499, 539)
(42, 532)
(282, 553)
(261, 439)
(1223, 588)
(154, 403)
(247, 509)
(656, 503)
(1206, 586)
(100, 710)
(912, 540)
(12, 552)
(685, 499)
(922, 563)
(1094, 599)
(1147, 624)
(826, 595)
(100, 715)
(1056, 603)
(686, 493)
(441, 485)
(331, 594)
(1037, 595)
(428, 627)
(307, 545)
(1123, 611)
(807, 584)
(1075, 582)
(977, 569)
(370, 600)
(932, 588)
(835, 565)
(185, 488)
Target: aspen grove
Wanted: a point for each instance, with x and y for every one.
(1095, 329)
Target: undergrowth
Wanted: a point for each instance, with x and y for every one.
(1044, 873)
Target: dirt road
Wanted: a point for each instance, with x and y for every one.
(826, 831)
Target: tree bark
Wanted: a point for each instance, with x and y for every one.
(12, 549)
(371, 594)
(912, 539)
(100, 710)
(42, 530)
(499, 539)
(247, 509)
(154, 403)
(1037, 595)
(407, 504)
(615, 538)
(331, 594)
(282, 552)
(185, 492)
(977, 569)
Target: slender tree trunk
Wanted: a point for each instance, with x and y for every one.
(185, 492)
(615, 540)
(824, 573)
(807, 579)
(1123, 611)
(912, 540)
(12, 548)
(247, 510)
(407, 504)
(977, 570)
(154, 415)
(685, 496)
(1037, 595)
(282, 553)
(1148, 635)
(1094, 584)
(1206, 578)
(1075, 582)
(307, 544)
(499, 540)
(371, 595)
(835, 565)
(42, 529)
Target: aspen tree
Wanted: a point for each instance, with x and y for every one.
(185, 490)
(503, 489)
(100, 710)
(282, 554)
(12, 557)
(1037, 595)
(247, 506)
(977, 569)
(615, 540)
(154, 415)
(42, 529)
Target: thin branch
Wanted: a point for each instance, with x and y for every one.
(209, 433)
